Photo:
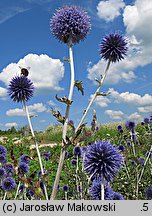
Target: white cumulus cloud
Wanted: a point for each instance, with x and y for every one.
(115, 115)
(13, 124)
(45, 72)
(135, 117)
(3, 92)
(33, 109)
(146, 109)
(101, 101)
(110, 9)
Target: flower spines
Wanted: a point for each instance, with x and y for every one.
(102, 159)
(70, 24)
(113, 47)
(20, 89)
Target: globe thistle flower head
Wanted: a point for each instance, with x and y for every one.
(3, 159)
(95, 190)
(20, 89)
(3, 150)
(2, 173)
(9, 170)
(121, 148)
(142, 123)
(133, 163)
(70, 24)
(113, 47)
(46, 156)
(146, 120)
(39, 173)
(21, 188)
(25, 158)
(29, 192)
(148, 193)
(102, 159)
(141, 161)
(77, 151)
(74, 162)
(119, 127)
(65, 188)
(8, 184)
(130, 125)
(23, 168)
(117, 196)
(128, 144)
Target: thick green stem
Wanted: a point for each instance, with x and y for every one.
(65, 127)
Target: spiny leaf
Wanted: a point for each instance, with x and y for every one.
(79, 131)
(103, 93)
(78, 84)
(64, 100)
(58, 115)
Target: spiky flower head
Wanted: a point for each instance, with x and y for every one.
(9, 169)
(113, 47)
(130, 125)
(73, 162)
(3, 150)
(148, 193)
(23, 168)
(8, 184)
(2, 173)
(3, 158)
(77, 151)
(102, 159)
(70, 24)
(25, 158)
(20, 89)
(65, 188)
(95, 190)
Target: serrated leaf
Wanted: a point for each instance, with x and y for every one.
(64, 100)
(103, 93)
(58, 115)
(78, 84)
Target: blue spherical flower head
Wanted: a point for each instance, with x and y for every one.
(29, 192)
(8, 184)
(141, 161)
(65, 188)
(20, 89)
(102, 159)
(3, 150)
(77, 151)
(119, 127)
(70, 24)
(146, 120)
(46, 156)
(74, 162)
(130, 125)
(25, 158)
(95, 190)
(148, 193)
(9, 169)
(113, 47)
(117, 196)
(3, 158)
(2, 173)
(23, 168)
(121, 148)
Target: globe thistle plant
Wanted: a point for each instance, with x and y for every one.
(23, 168)
(3, 158)
(102, 159)
(9, 170)
(3, 150)
(113, 47)
(70, 24)
(8, 184)
(77, 151)
(20, 89)
(148, 193)
(95, 190)
(25, 159)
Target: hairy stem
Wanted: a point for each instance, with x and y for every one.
(65, 127)
(36, 145)
(17, 190)
(94, 96)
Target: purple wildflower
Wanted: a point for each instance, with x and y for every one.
(3, 158)
(65, 188)
(77, 151)
(23, 168)
(148, 193)
(113, 47)
(70, 24)
(8, 184)
(102, 159)
(9, 169)
(3, 150)
(20, 89)
(2, 173)
(117, 196)
(25, 158)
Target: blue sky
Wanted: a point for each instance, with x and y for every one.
(26, 40)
